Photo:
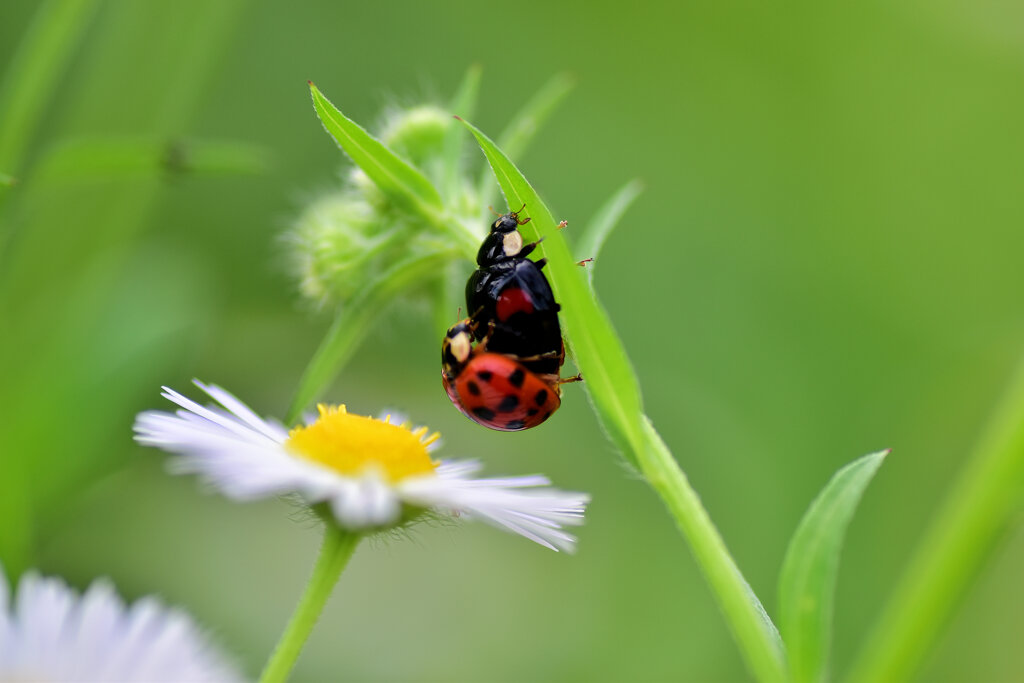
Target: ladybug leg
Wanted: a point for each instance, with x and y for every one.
(585, 261)
(570, 380)
(482, 344)
(527, 248)
(563, 224)
(540, 356)
(541, 262)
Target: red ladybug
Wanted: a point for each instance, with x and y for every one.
(492, 389)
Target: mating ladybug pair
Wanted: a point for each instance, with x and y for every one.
(501, 365)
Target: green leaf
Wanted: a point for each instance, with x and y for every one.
(463, 104)
(33, 73)
(112, 157)
(808, 578)
(523, 127)
(984, 503)
(401, 182)
(520, 131)
(7, 180)
(603, 222)
(608, 376)
(354, 320)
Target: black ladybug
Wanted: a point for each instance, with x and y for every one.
(510, 301)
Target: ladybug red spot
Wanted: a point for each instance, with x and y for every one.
(511, 301)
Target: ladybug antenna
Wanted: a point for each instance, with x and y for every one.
(516, 213)
(493, 211)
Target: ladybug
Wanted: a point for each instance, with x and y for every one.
(511, 302)
(505, 241)
(492, 389)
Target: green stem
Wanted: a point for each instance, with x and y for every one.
(758, 638)
(354, 320)
(338, 547)
(985, 500)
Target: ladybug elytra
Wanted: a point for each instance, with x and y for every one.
(492, 389)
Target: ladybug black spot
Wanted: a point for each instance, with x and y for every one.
(517, 378)
(541, 398)
(484, 413)
(508, 404)
(531, 412)
(485, 375)
(515, 424)
(473, 387)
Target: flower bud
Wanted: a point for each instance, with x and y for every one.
(337, 243)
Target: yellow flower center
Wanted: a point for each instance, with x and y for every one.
(353, 444)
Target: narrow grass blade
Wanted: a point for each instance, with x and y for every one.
(93, 158)
(615, 395)
(602, 224)
(34, 71)
(463, 104)
(985, 501)
(401, 182)
(609, 378)
(523, 127)
(353, 322)
(808, 578)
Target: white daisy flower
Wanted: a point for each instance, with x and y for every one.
(371, 473)
(50, 633)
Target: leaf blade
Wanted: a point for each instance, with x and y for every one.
(462, 104)
(400, 181)
(811, 566)
(526, 122)
(604, 221)
(609, 378)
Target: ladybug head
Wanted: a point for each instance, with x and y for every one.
(456, 348)
(504, 242)
(509, 222)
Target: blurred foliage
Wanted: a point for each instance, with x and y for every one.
(825, 261)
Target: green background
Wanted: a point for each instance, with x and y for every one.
(826, 261)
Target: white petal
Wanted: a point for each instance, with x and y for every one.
(53, 634)
(535, 513)
(244, 457)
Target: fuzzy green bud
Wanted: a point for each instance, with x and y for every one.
(417, 134)
(338, 243)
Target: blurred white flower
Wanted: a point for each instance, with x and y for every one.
(371, 473)
(49, 633)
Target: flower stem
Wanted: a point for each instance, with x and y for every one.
(753, 630)
(337, 548)
(986, 499)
